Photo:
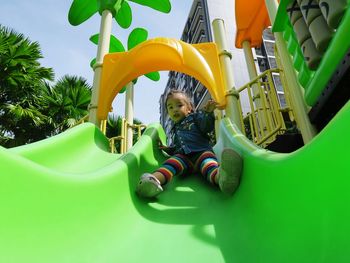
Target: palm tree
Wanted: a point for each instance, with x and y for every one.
(21, 82)
(66, 102)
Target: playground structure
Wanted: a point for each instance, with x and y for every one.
(68, 199)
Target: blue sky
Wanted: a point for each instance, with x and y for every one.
(67, 48)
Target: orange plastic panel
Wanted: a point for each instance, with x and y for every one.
(251, 19)
(198, 60)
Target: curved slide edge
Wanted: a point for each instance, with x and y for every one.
(293, 207)
(78, 150)
(50, 215)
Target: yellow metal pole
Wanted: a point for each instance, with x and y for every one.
(296, 95)
(266, 125)
(248, 54)
(129, 115)
(274, 102)
(232, 108)
(254, 115)
(103, 126)
(112, 146)
(123, 134)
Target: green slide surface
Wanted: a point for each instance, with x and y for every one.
(67, 199)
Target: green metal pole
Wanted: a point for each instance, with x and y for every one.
(232, 108)
(300, 109)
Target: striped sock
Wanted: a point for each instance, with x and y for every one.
(175, 165)
(208, 166)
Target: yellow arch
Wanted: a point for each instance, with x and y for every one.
(198, 60)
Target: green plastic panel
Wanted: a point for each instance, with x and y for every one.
(67, 199)
(314, 82)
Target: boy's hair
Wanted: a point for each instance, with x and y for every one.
(176, 91)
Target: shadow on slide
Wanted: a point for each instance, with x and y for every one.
(66, 199)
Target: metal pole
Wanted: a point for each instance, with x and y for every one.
(248, 54)
(296, 94)
(102, 50)
(232, 108)
(129, 114)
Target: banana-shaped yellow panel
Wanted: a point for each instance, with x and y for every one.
(198, 60)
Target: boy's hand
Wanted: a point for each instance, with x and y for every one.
(210, 106)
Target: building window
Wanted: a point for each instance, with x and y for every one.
(277, 82)
(282, 100)
(270, 48)
(267, 34)
(272, 62)
(263, 64)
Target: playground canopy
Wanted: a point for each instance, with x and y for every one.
(251, 19)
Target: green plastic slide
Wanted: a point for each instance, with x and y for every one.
(66, 199)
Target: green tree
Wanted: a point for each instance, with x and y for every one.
(66, 102)
(22, 80)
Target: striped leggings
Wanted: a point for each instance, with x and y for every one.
(179, 164)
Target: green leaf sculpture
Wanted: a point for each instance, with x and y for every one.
(124, 16)
(82, 10)
(114, 44)
(163, 6)
(137, 36)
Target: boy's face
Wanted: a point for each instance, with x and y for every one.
(178, 107)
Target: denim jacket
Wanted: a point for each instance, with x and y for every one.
(190, 134)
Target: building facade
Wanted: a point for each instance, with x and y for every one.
(198, 29)
(265, 59)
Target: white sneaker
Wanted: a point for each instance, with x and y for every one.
(230, 171)
(149, 186)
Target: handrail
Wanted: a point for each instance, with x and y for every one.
(112, 143)
(122, 138)
(264, 132)
(138, 127)
(82, 120)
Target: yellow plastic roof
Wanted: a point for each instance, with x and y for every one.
(198, 60)
(251, 19)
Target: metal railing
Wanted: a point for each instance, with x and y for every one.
(265, 120)
(82, 120)
(122, 137)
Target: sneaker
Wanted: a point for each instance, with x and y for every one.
(230, 171)
(149, 186)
